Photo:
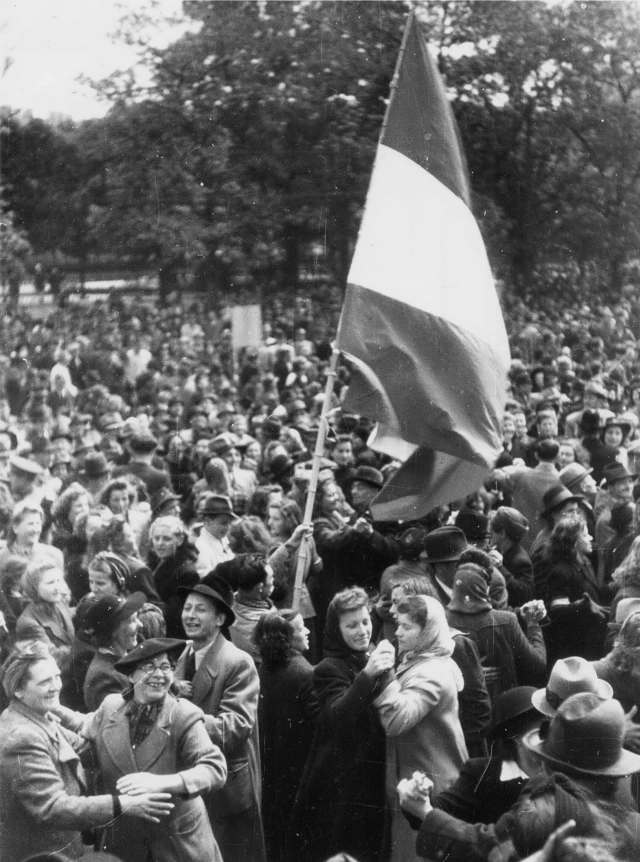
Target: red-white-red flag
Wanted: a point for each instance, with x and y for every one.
(421, 320)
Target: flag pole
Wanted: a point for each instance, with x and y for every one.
(303, 553)
(393, 86)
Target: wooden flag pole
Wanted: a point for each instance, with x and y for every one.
(303, 553)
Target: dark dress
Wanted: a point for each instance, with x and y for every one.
(340, 804)
(169, 574)
(287, 715)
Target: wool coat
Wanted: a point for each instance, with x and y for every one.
(177, 743)
(288, 713)
(419, 712)
(102, 679)
(226, 688)
(340, 803)
(42, 809)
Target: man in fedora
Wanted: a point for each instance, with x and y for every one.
(94, 474)
(618, 484)
(444, 547)
(217, 515)
(583, 748)
(223, 681)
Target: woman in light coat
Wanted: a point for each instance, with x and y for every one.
(419, 711)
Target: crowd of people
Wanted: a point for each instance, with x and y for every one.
(462, 685)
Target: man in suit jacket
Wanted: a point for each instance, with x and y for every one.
(222, 680)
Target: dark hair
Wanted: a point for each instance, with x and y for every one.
(546, 450)
(258, 504)
(273, 636)
(116, 485)
(251, 570)
(563, 540)
(350, 599)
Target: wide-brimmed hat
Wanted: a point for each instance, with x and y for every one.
(625, 608)
(585, 738)
(149, 649)
(596, 388)
(217, 589)
(445, 544)
(572, 475)
(569, 676)
(221, 443)
(616, 472)
(368, 475)
(24, 466)
(510, 521)
(510, 709)
(214, 505)
(107, 612)
(557, 496)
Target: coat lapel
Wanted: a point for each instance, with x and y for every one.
(205, 677)
(117, 741)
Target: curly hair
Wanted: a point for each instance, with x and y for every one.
(62, 506)
(273, 637)
(563, 540)
(249, 535)
(628, 572)
(350, 599)
(625, 656)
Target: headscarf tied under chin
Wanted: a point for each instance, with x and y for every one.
(435, 641)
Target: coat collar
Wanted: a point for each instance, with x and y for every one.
(53, 622)
(117, 739)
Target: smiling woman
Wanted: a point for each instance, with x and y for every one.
(42, 806)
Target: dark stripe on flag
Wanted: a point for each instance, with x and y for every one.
(441, 384)
(419, 120)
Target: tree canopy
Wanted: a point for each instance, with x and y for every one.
(246, 156)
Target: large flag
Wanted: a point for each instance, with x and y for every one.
(421, 321)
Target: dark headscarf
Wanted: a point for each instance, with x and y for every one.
(334, 645)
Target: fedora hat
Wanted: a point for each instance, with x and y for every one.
(625, 608)
(616, 472)
(159, 500)
(24, 466)
(590, 422)
(143, 443)
(445, 544)
(221, 443)
(368, 475)
(555, 497)
(585, 738)
(509, 710)
(573, 474)
(149, 649)
(569, 676)
(217, 589)
(214, 505)
(475, 525)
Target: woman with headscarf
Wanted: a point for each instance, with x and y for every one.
(418, 709)
(509, 657)
(340, 804)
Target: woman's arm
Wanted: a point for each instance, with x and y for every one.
(403, 704)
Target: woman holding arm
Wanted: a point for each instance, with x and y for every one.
(42, 809)
(418, 709)
(340, 804)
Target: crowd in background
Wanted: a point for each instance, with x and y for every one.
(456, 686)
